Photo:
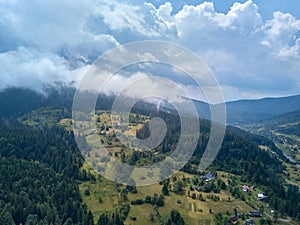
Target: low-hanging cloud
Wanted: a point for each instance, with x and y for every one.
(36, 70)
(55, 41)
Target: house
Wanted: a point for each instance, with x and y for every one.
(249, 222)
(261, 196)
(246, 189)
(208, 177)
(234, 219)
(255, 214)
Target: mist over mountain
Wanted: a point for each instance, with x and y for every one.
(16, 101)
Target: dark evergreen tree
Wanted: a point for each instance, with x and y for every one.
(165, 188)
(175, 218)
(103, 219)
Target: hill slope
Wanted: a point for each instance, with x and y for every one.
(284, 130)
(272, 106)
(251, 111)
(54, 148)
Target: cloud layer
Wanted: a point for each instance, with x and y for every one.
(56, 41)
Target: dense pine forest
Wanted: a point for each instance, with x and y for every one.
(39, 169)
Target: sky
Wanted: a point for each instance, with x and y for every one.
(253, 47)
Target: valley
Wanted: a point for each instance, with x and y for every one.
(202, 206)
(283, 130)
(247, 167)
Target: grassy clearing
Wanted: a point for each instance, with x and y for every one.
(103, 196)
(292, 173)
(192, 210)
(142, 215)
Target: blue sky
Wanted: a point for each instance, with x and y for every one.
(266, 7)
(253, 47)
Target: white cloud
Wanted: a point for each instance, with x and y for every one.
(280, 35)
(164, 12)
(132, 22)
(244, 17)
(202, 26)
(34, 69)
(119, 16)
(246, 52)
(291, 51)
(45, 25)
(43, 43)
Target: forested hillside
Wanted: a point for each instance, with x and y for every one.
(240, 154)
(38, 172)
(41, 167)
(283, 130)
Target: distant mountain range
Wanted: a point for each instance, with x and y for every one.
(257, 110)
(271, 106)
(238, 112)
(251, 111)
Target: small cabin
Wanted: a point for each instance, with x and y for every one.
(208, 177)
(262, 197)
(255, 214)
(234, 219)
(249, 222)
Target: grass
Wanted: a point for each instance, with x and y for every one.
(142, 214)
(292, 174)
(66, 123)
(104, 190)
(193, 211)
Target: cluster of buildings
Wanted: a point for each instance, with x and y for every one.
(261, 196)
(235, 220)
